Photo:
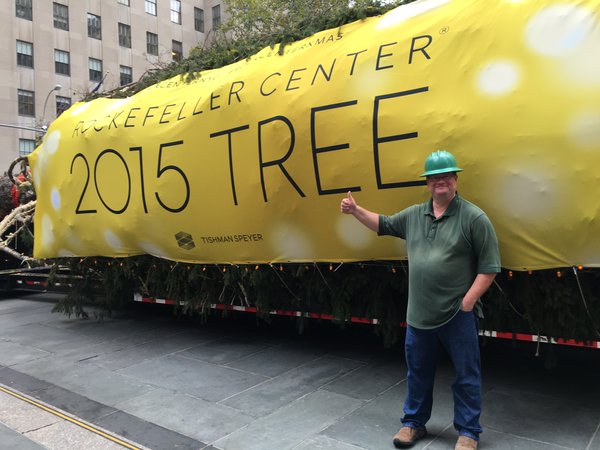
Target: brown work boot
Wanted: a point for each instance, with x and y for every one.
(466, 443)
(407, 436)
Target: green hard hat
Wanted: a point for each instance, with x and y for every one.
(440, 162)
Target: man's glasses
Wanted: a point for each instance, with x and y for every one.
(441, 177)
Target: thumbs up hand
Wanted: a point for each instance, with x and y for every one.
(348, 205)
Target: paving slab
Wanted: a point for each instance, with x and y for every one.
(21, 306)
(191, 376)
(292, 424)
(494, 440)
(76, 404)
(12, 353)
(94, 382)
(274, 361)
(194, 417)
(56, 396)
(568, 379)
(152, 349)
(291, 385)
(21, 381)
(53, 368)
(369, 381)
(50, 339)
(103, 350)
(374, 424)
(320, 442)
(103, 330)
(104, 386)
(366, 349)
(147, 434)
(225, 350)
(11, 439)
(535, 416)
(12, 323)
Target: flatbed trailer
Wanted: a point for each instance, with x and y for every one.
(522, 337)
(35, 279)
(39, 279)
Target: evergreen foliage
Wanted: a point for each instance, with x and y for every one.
(540, 302)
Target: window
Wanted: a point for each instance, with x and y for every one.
(26, 103)
(177, 51)
(25, 54)
(199, 20)
(95, 66)
(94, 26)
(124, 35)
(61, 16)
(62, 104)
(216, 13)
(176, 11)
(124, 2)
(126, 75)
(150, 6)
(24, 10)
(152, 43)
(62, 62)
(26, 146)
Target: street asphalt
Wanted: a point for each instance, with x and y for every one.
(149, 380)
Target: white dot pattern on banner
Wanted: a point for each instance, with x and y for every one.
(498, 78)
(529, 195)
(365, 82)
(51, 142)
(558, 29)
(118, 103)
(579, 65)
(353, 233)
(292, 242)
(55, 198)
(49, 147)
(47, 232)
(112, 239)
(398, 15)
(584, 129)
(80, 109)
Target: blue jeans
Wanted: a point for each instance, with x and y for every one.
(460, 339)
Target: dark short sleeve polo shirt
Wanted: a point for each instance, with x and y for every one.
(444, 255)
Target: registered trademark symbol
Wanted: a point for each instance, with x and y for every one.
(444, 30)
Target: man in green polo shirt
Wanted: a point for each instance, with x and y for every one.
(453, 259)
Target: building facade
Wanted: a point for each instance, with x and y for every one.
(55, 52)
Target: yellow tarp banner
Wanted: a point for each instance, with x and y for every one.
(249, 162)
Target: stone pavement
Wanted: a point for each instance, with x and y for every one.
(148, 380)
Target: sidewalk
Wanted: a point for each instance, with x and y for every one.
(163, 383)
(32, 426)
